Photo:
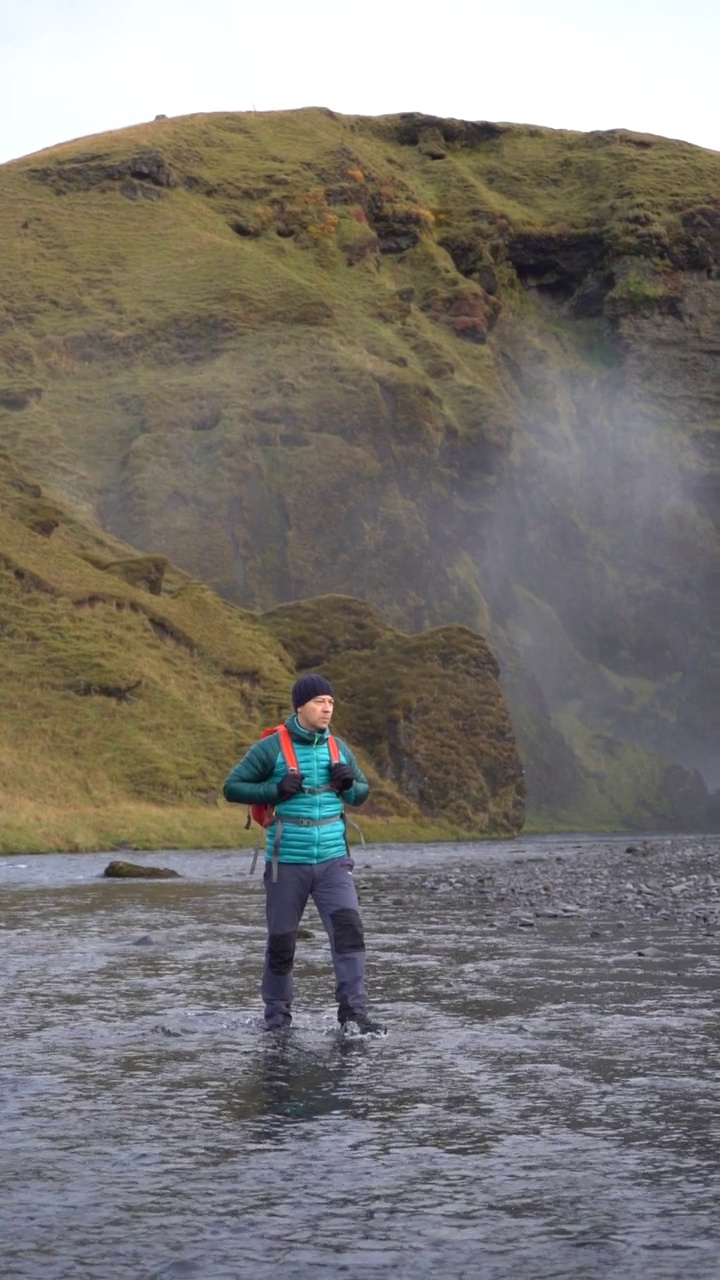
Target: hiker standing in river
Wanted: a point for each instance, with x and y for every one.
(306, 777)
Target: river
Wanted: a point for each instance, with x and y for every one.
(545, 1106)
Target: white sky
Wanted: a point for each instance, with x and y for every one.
(69, 68)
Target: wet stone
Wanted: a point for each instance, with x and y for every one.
(120, 870)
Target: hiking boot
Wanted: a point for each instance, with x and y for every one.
(278, 1021)
(359, 1023)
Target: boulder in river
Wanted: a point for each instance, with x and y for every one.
(119, 870)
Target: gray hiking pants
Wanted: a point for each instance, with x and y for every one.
(331, 886)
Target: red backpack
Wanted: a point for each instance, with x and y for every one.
(263, 814)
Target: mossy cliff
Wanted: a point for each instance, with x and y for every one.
(464, 371)
(426, 709)
(128, 690)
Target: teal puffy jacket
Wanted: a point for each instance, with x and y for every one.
(254, 781)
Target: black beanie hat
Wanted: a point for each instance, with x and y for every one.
(309, 686)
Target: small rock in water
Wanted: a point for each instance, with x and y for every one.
(145, 941)
(119, 870)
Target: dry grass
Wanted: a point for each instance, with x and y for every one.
(33, 827)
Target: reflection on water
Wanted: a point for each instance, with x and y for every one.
(545, 1105)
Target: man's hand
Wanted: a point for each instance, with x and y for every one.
(289, 785)
(341, 777)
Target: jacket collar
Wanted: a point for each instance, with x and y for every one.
(310, 736)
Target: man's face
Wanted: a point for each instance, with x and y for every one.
(317, 713)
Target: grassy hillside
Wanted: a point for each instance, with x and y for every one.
(462, 371)
(121, 709)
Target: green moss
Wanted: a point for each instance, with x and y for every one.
(633, 788)
(641, 287)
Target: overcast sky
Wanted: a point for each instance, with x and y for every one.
(69, 68)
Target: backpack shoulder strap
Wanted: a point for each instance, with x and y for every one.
(333, 749)
(287, 749)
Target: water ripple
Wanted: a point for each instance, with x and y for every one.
(545, 1105)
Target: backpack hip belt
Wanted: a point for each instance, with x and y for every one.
(296, 822)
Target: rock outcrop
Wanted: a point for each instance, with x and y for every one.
(119, 870)
(426, 709)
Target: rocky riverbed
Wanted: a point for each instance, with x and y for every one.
(544, 1107)
(669, 879)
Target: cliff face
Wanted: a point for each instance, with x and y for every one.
(464, 371)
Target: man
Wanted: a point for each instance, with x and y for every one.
(306, 852)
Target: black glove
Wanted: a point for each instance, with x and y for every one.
(289, 785)
(341, 777)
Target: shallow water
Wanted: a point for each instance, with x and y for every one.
(545, 1104)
